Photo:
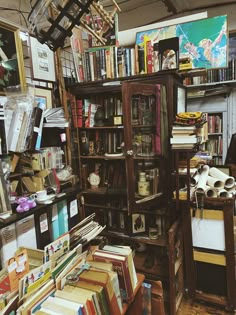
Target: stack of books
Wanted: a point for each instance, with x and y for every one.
(81, 283)
(184, 137)
(55, 117)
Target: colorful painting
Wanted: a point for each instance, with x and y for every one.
(203, 41)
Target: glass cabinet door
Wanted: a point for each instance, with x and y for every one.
(146, 133)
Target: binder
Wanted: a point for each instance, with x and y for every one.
(55, 223)
(62, 217)
(42, 228)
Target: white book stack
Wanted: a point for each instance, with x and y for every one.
(184, 137)
(55, 117)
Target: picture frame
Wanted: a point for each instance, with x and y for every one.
(43, 62)
(11, 58)
(169, 53)
(232, 45)
(138, 224)
(44, 95)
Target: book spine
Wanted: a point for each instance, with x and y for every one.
(80, 112)
(141, 59)
(149, 49)
(87, 66)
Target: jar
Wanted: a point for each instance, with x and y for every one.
(143, 185)
(153, 232)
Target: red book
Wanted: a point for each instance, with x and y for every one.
(79, 113)
(120, 265)
(74, 114)
(149, 49)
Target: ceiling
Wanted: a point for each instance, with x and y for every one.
(133, 12)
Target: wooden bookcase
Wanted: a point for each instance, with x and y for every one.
(130, 140)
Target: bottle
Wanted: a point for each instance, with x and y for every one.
(143, 185)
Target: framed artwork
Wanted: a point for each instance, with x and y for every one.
(11, 57)
(169, 53)
(43, 62)
(138, 224)
(42, 95)
(203, 41)
(232, 45)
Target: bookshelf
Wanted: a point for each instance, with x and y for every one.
(217, 107)
(123, 147)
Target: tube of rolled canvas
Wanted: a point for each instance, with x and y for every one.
(210, 192)
(194, 179)
(215, 182)
(223, 193)
(229, 181)
(201, 185)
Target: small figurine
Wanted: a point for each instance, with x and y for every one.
(25, 204)
(94, 180)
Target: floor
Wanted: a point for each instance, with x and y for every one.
(188, 307)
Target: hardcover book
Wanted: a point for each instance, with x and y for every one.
(103, 279)
(120, 265)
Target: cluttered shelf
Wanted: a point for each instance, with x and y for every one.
(7, 219)
(161, 241)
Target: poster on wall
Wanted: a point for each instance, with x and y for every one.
(203, 41)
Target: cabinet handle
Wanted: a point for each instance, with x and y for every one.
(130, 152)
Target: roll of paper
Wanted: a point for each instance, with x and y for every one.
(201, 185)
(223, 193)
(194, 180)
(215, 182)
(228, 181)
(210, 192)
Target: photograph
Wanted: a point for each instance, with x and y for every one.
(138, 224)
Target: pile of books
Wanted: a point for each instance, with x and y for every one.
(55, 117)
(31, 275)
(63, 279)
(184, 137)
(81, 283)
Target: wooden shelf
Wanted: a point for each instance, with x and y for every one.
(161, 241)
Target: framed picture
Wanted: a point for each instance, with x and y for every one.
(43, 62)
(42, 95)
(137, 224)
(11, 57)
(169, 53)
(232, 45)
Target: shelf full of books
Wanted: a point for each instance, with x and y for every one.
(115, 61)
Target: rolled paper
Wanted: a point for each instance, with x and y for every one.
(201, 185)
(231, 190)
(228, 181)
(223, 193)
(210, 192)
(215, 182)
(194, 180)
